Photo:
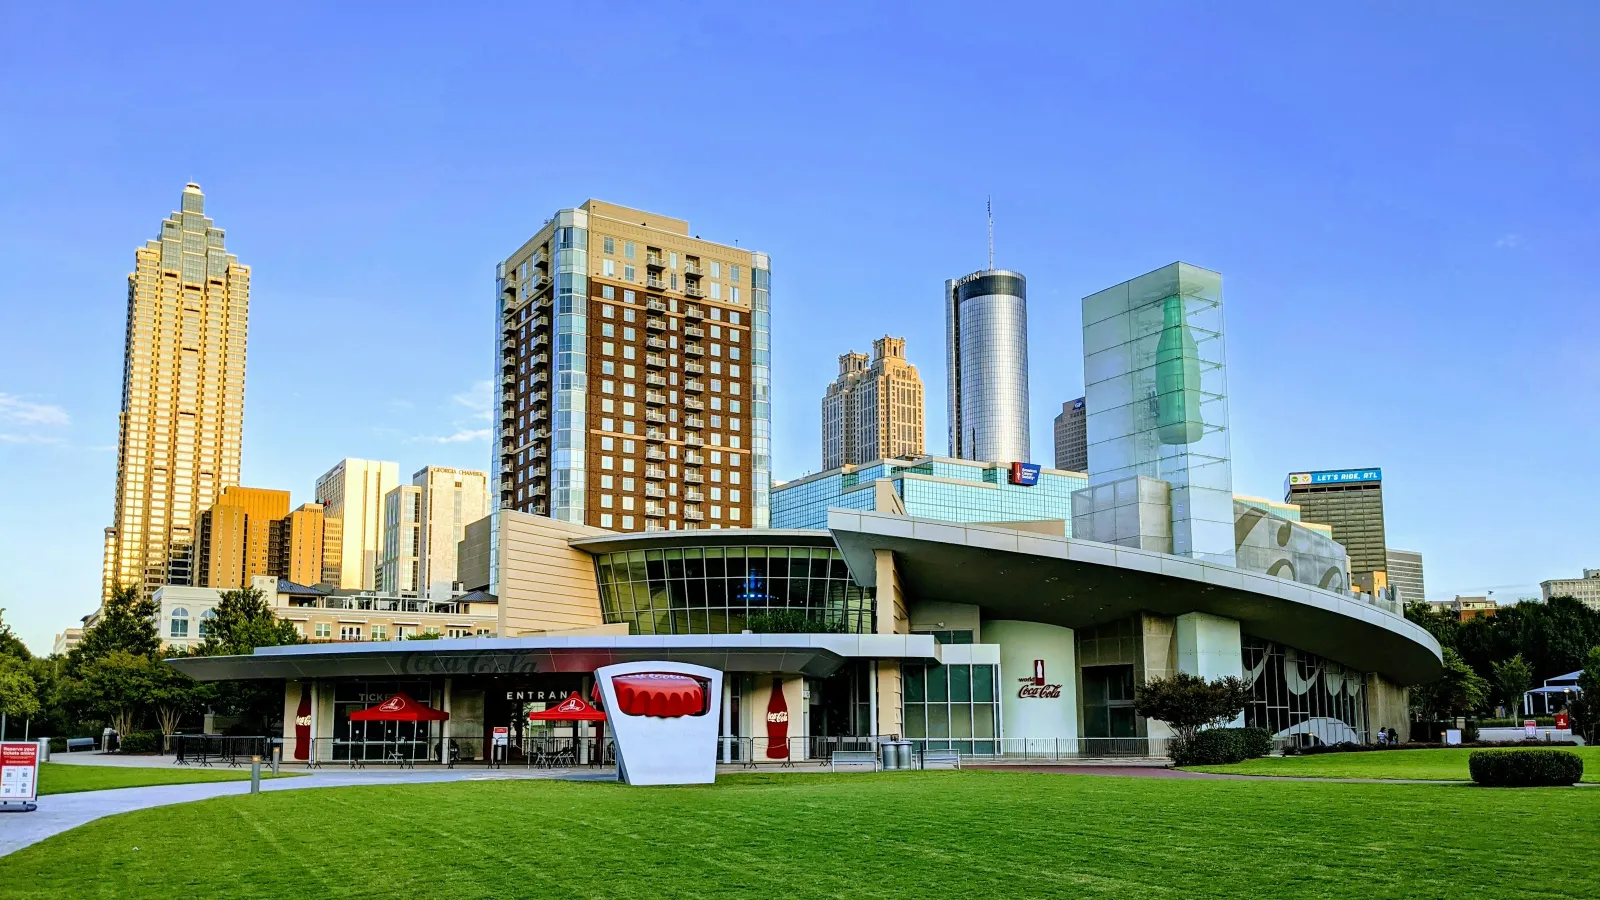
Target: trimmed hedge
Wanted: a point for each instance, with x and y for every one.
(1525, 768)
(1223, 746)
(140, 742)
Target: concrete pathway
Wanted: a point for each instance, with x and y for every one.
(1148, 771)
(62, 812)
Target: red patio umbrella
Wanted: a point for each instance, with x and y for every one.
(574, 709)
(399, 708)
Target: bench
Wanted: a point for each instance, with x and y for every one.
(941, 759)
(80, 744)
(853, 758)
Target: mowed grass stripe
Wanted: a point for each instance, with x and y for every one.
(945, 834)
(1438, 764)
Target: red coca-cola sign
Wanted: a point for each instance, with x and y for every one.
(777, 723)
(1034, 686)
(662, 695)
(302, 725)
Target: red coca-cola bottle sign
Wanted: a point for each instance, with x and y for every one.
(777, 723)
(302, 725)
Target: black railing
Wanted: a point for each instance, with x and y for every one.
(210, 749)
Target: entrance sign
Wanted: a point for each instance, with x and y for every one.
(664, 717)
(19, 772)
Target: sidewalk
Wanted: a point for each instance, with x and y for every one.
(62, 812)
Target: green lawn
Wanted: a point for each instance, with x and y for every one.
(902, 835)
(1430, 765)
(61, 778)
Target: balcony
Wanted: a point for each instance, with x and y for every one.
(655, 284)
(693, 496)
(655, 261)
(656, 343)
(656, 304)
(692, 459)
(654, 509)
(655, 360)
(694, 385)
(694, 422)
(693, 291)
(654, 434)
(690, 311)
(693, 477)
(540, 258)
(655, 454)
(655, 398)
(655, 472)
(655, 490)
(694, 331)
(539, 339)
(655, 324)
(655, 381)
(692, 403)
(538, 376)
(508, 417)
(694, 440)
(540, 283)
(655, 416)
(694, 350)
(509, 366)
(509, 380)
(694, 269)
(693, 515)
(694, 368)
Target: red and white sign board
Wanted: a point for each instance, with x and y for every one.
(1530, 728)
(1562, 721)
(502, 735)
(19, 772)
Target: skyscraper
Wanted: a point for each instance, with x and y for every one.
(1405, 574)
(250, 532)
(401, 569)
(1072, 437)
(352, 494)
(182, 398)
(450, 499)
(1351, 502)
(873, 410)
(633, 380)
(986, 347)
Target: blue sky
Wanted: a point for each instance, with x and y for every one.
(1404, 204)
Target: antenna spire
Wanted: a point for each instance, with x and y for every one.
(989, 206)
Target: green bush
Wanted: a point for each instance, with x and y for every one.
(140, 742)
(1525, 768)
(58, 745)
(1222, 746)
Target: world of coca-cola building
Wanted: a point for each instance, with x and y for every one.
(992, 640)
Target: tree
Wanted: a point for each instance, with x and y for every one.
(1188, 703)
(10, 644)
(173, 695)
(1585, 708)
(1512, 678)
(127, 623)
(1442, 625)
(117, 687)
(1457, 692)
(19, 693)
(245, 621)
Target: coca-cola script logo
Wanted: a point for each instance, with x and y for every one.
(1034, 687)
(303, 720)
(392, 704)
(782, 716)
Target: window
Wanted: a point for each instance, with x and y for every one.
(733, 294)
(627, 273)
(608, 330)
(627, 249)
(180, 622)
(208, 620)
(605, 520)
(349, 632)
(608, 348)
(606, 501)
(608, 310)
(380, 632)
(324, 630)
(716, 269)
(1108, 701)
(607, 386)
(611, 245)
(716, 289)
(733, 274)
(606, 291)
(605, 482)
(608, 268)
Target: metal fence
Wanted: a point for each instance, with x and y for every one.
(1065, 748)
(210, 749)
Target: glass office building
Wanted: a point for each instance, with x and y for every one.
(1156, 392)
(930, 487)
(986, 354)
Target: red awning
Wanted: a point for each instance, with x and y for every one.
(572, 709)
(399, 708)
(659, 694)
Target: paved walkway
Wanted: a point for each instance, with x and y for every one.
(1148, 771)
(61, 812)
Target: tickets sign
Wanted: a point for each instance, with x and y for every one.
(19, 772)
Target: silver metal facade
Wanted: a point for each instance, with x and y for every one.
(986, 347)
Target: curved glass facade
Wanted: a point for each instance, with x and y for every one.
(986, 330)
(1303, 697)
(712, 590)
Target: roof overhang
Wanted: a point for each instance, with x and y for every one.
(1012, 574)
(813, 655)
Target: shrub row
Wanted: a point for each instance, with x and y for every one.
(140, 742)
(1222, 746)
(1525, 768)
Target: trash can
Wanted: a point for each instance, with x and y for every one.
(44, 749)
(902, 753)
(889, 755)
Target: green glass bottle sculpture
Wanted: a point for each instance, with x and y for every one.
(1177, 378)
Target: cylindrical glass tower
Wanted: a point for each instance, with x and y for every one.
(986, 337)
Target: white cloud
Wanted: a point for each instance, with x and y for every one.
(476, 398)
(15, 410)
(28, 439)
(1510, 241)
(462, 436)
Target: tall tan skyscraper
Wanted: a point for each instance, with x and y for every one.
(400, 572)
(182, 398)
(873, 409)
(634, 381)
(451, 499)
(351, 494)
(250, 532)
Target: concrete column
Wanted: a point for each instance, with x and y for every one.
(444, 727)
(727, 716)
(1030, 711)
(888, 689)
(892, 618)
(1210, 647)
